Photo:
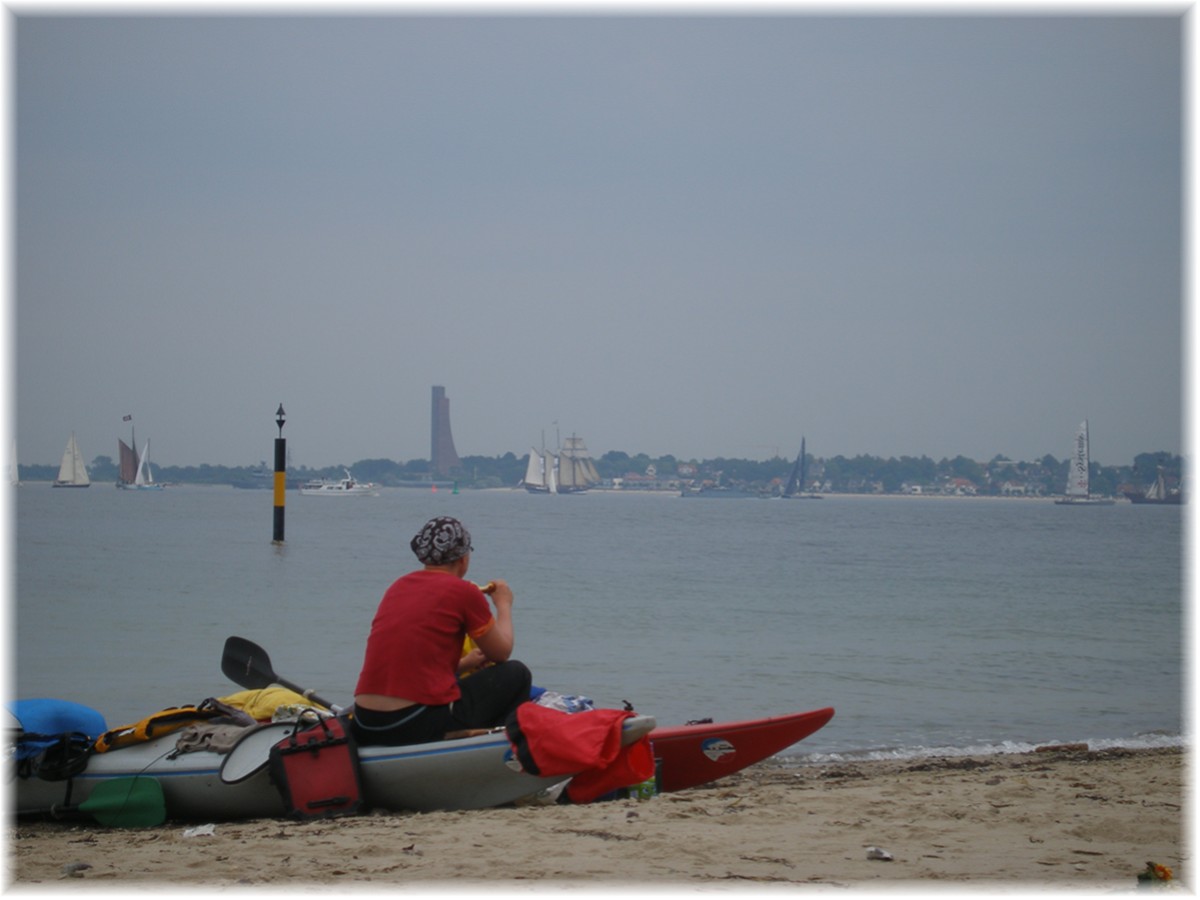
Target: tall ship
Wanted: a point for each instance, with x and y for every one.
(1078, 491)
(1158, 493)
(569, 471)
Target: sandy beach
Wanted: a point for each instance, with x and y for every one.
(1059, 818)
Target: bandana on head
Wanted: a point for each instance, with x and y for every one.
(442, 541)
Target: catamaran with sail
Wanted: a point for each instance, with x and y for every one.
(72, 473)
(1078, 491)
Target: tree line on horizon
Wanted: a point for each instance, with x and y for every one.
(837, 474)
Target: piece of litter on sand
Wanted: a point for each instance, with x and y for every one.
(200, 831)
(74, 869)
(878, 853)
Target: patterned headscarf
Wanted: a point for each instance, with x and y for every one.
(441, 541)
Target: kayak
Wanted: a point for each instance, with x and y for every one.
(695, 754)
(465, 773)
(50, 747)
(475, 772)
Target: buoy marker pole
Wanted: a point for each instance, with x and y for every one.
(280, 476)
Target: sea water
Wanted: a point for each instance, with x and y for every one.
(947, 625)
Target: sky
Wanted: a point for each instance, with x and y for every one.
(690, 234)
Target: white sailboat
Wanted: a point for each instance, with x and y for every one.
(144, 479)
(1078, 492)
(540, 472)
(72, 472)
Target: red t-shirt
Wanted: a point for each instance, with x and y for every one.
(417, 636)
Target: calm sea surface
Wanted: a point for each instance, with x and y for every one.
(927, 623)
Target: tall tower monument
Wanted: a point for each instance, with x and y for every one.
(442, 457)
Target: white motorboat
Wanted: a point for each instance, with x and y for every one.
(339, 487)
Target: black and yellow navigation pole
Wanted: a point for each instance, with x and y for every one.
(280, 476)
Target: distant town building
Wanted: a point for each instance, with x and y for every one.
(442, 457)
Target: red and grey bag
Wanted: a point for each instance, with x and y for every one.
(316, 770)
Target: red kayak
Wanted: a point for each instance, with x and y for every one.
(690, 755)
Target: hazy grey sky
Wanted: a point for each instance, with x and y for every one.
(705, 236)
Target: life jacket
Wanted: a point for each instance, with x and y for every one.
(158, 724)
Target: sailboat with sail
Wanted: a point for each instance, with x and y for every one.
(576, 471)
(1078, 492)
(144, 479)
(569, 471)
(541, 473)
(799, 478)
(72, 473)
(135, 473)
(1158, 493)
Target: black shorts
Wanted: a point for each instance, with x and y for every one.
(488, 697)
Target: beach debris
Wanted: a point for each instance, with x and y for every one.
(200, 831)
(1154, 875)
(74, 869)
(878, 853)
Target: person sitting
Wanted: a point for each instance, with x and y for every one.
(408, 691)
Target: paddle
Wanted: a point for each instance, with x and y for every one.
(135, 802)
(247, 664)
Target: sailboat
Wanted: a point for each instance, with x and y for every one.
(144, 479)
(1079, 478)
(576, 471)
(798, 479)
(569, 471)
(541, 474)
(135, 473)
(72, 472)
(1157, 493)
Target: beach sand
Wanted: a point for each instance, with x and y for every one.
(1059, 818)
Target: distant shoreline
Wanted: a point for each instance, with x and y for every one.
(619, 491)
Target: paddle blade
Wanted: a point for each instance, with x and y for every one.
(127, 803)
(247, 664)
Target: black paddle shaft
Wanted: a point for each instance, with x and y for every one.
(247, 664)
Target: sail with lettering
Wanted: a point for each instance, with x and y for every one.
(1078, 489)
